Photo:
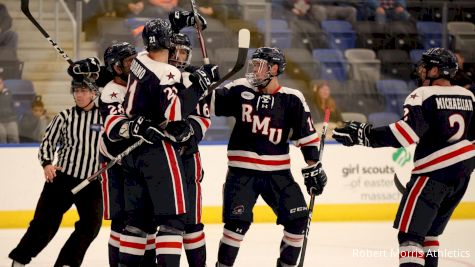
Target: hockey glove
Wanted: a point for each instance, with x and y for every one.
(145, 129)
(205, 76)
(89, 67)
(315, 178)
(182, 19)
(353, 133)
(178, 131)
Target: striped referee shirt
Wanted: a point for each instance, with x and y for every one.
(73, 135)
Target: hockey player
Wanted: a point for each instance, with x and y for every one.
(157, 103)
(194, 237)
(436, 118)
(267, 116)
(118, 59)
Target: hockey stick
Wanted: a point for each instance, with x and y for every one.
(199, 32)
(400, 187)
(244, 41)
(109, 165)
(312, 196)
(26, 10)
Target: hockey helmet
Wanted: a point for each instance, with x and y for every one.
(441, 58)
(180, 50)
(156, 34)
(116, 53)
(272, 55)
(264, 56)
(78, 83)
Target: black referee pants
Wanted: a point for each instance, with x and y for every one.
(55, 199)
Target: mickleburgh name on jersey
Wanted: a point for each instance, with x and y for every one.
(454, 103)
(138, 70)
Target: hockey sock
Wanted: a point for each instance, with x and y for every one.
(132, 246)
(168, 246)
(195, 248)
(290, 248)
(411, 254)
(114, 245)
(431, 250)
(233, 234)
(149, 256)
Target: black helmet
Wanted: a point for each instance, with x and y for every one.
(441, 58)
(156, 34)
(78, 83)
(179, 44)
(272, 55)
(116, 53)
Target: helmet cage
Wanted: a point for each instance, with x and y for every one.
(256, 74)
(180, 56)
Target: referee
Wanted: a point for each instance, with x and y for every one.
(72, 135)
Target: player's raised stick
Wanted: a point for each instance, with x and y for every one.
(26, 10)
(312, 196)
(244, 40)
(199, 32)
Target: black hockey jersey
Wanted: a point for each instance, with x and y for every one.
(264, 124)
(437, 119)
(156, 92)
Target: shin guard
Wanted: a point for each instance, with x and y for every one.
(195, 248)
(431, 250)
(168, 245)
(132, 246)
(411, 254)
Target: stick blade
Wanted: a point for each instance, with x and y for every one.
(244, 38)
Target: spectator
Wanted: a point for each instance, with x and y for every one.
(388, 10)
(324, 100)
(8, 122)
(317, 10)
(152, 8)
(33, 124)
(462, 76)
(8, 38)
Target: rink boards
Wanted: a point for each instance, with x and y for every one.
(360, 185)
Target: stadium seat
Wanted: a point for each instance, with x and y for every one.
(430, 33)
(403, 35)
(300, 62)
(253, 10)
(363, 97)
(280, 34)
(371, 35)
(395, 64)
(23, 94)
(364, 66)
(379, 119)
(306, 34)
(415, 55)
(394, 93)
(464, 35)
(332, 64)
(340, 34)
(11, 69)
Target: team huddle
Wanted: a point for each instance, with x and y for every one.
(153, 197)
